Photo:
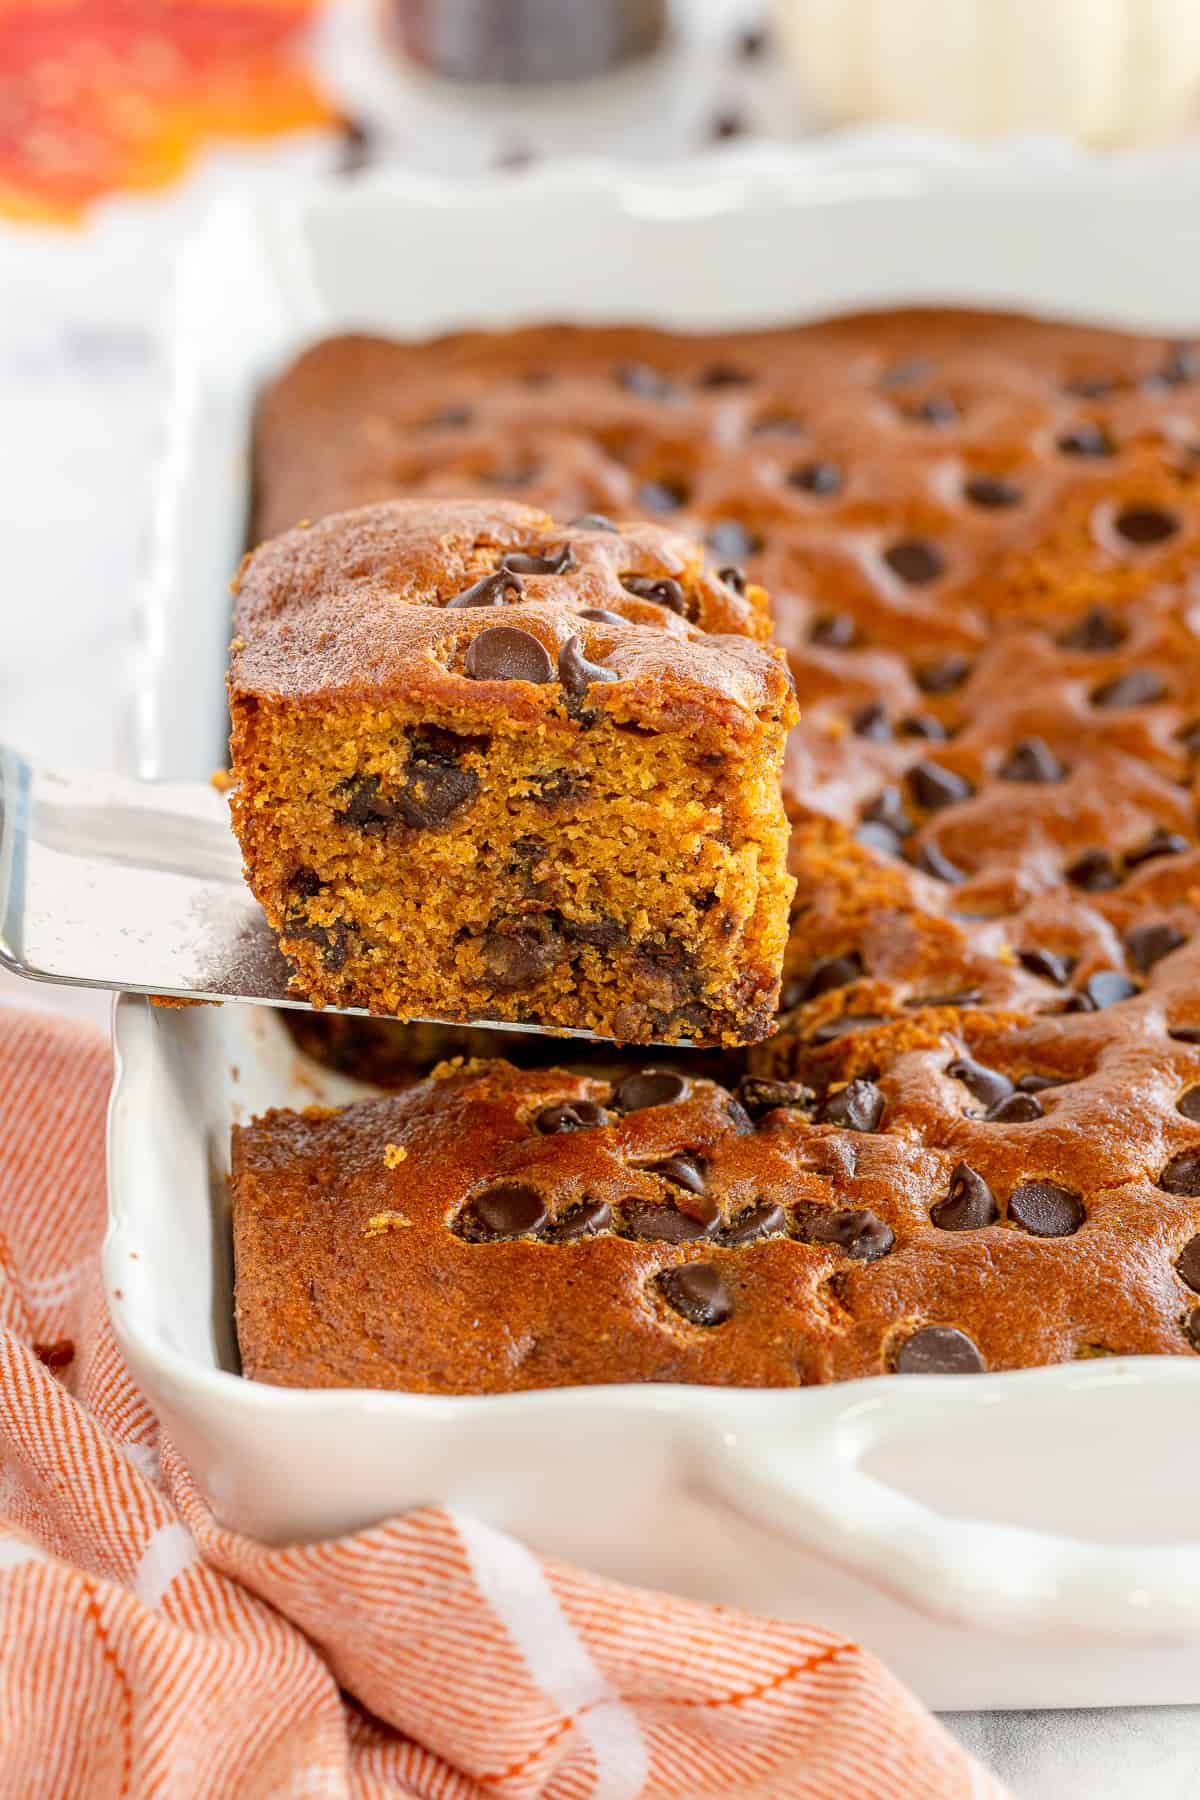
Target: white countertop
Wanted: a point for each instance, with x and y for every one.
(81, 397)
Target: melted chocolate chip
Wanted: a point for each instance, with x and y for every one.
(511, 1210)
(576, 673)
(969, 1204)
(662, 496)
(860, 1233)
(992, 492)
(933, 861)
(1031, 760)
(529, 562)
(1015, 1109)
(304, 882)
(1188, 1104)
(660, 1223)
(1146, 525)
(938, 1350)
(924, 725)
(1086, 440)
(1148, 944)
(659, 588)
(817, 478)
(960, 997)
(871, 722)
(760, 1095)
(1046, 964)
(887, 808)
(600, 615)
(729, 537)
(836, 631)
(938, 409)
(649, 1087)
(639, 378)
(520, 956)
(876, 836)
(856, 1107)
(580, 1221)
(1185, 1034)
(1161, 842)
(733, 576)
(777, 424)
(828, 973)
(915, 561)
(934, 787)
(1037, 1084)
(1188, 1264)
(569, 1115)
(843, 1025)
(1107, 987)
(493, 590)
(684, 1170)
(697, 1293)
(505, 653)
(903, 374)
(1191, 1327)
(1045, 1209)
(763, 1219)
(1098, 629)
(721, 375)
(944, 676)
(1182, 1173)
(591, 522)
(1137, 687)
(987, 1085)
(1095, 872)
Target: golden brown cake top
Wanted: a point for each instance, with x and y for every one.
(390, 600)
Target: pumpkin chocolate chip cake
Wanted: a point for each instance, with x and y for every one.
(981, 535)
(489, 767)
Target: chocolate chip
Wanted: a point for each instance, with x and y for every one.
(987, 1085)
(934, 787)
(1037, 1084)
(992, 492)
(969, 1204)
(1185, 1034)
(1148, 944)
(304, 882)
(876, 836)
(843, 1025)
(1046, 964)
(576, 673)
(762, 1220)
(1144, 525)
(1188, 1104)
(938, 409)
(1045, 1209)
(1188, 1264)
(924, 725)
(1031, 760)
(903, 374)
(944, 676)
(915, 561)
(1095, 872)
(856, 1107)
(960, 997)
(659, 588)
(518, 956)
(591, 522)
(871, 722)
(661, 1223)
(569, 1115)
(649, 1087)
(583, 1220)
(938, 1350)
(733, 577)
(836, 631)
(860, 1233)
(529, 562)
(1015, 1109)
(1191, 1328)
(1161, 842)
(683, 1170)
(1086, 440)
(1182, 1173)
(887, 808)
(661, 496)
(933, 861)
(1107, 987)
(760, 1095)
(1098, 629)
(493, 590)
(1189, 737)
(729, 537)
(696, 1291)
(1180, 367)
(505, 653)
(1139, 687)
(647, 383)
(432, 788)
(511, 1210)
(817, 478)
(830, 972)
(721, 375)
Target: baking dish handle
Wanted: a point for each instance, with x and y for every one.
(808, 1484)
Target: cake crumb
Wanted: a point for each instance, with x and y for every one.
(378, 1223)
(394, 1155)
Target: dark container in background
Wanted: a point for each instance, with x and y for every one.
(520, 41)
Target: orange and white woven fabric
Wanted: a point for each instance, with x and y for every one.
(144, 1650)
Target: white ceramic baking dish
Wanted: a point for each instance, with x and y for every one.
(1004, 1540)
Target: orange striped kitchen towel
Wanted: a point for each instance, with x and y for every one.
(147, 1651)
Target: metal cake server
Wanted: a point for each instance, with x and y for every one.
(110, 882)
